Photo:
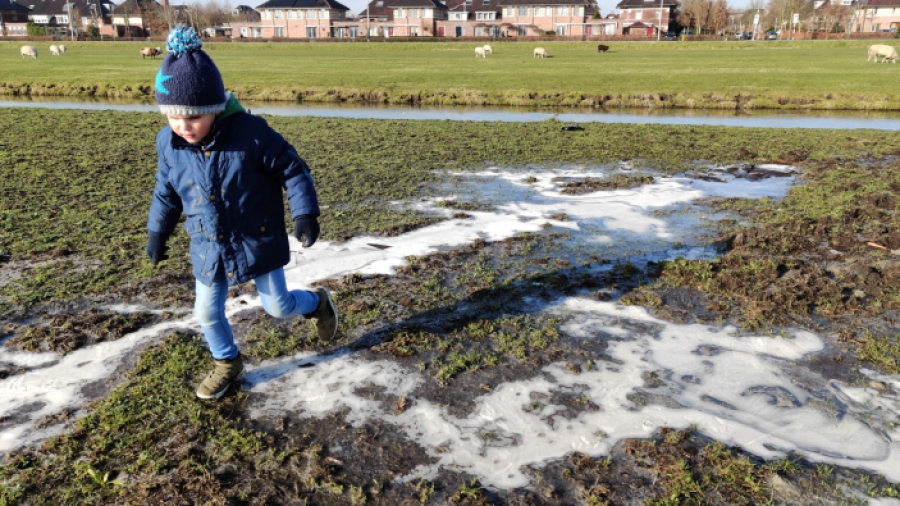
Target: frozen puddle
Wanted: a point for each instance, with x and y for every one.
(747, 391)
(751, 391)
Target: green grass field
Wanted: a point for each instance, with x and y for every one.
(722, 75)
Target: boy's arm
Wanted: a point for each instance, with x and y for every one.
(283, 163)
(166, 207)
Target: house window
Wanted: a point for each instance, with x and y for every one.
(292, 14)
(468, 2)
(311, 32)
(62, 19)
(257, 33)
(311, 14)
(479, 31)
(278, 13)
(542, 12)
(354, 31)
(414, 31)
(638, 13)
(456, 16)
(279, 31)
(521, 30)
(484, 16)
(560, 29)
(414, 13)
(485, 2)
(562, 11)
(579, 11)
(523, 12)
(875, 27)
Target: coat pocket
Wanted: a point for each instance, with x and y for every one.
(264, 242)
(193, 225)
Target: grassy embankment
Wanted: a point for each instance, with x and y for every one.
(79, 200)
(825, 75)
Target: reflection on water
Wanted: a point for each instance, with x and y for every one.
(765, 119)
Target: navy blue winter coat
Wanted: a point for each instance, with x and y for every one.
(230, 189)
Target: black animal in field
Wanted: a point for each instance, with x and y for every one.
(602, 48)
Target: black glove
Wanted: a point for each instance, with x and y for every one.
(306, 229)
(156, 248)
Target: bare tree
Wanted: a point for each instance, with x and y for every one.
(701, 10)
(834, 17)
(718, 15)
(685, 15)
(208, 13)
(160, 19)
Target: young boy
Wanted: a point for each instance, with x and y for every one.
(225, 170)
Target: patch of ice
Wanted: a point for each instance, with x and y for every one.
(741, 390)
(744, 390)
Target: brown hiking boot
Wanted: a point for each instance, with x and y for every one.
(221, 377)
(325, 316)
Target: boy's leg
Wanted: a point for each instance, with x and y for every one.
(209, 307)
(281, 303)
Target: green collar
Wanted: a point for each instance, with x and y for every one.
(232, 107)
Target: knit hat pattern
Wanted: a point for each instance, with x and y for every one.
(188, 82)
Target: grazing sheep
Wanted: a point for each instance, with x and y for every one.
(602, 48)
(29, 51)
(884, 51)
(62, 48)
(540, 52)
(488, 49)
(152, 52)
(54, 50)
(479, 51)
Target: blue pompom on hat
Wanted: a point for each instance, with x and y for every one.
(188, 82)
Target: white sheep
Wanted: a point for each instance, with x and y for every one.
(29, 51)
(152, 52)
(54, 50)
(540, 52)
(884, 51)
(62, 48)
(479, 51)
(488, 49)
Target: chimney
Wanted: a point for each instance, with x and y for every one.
(164, 3)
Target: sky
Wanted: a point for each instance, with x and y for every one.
(755, 391)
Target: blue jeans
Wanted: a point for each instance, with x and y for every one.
(209, 308)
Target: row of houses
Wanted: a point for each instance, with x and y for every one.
(384, 18)
(330, 18)
(455, 18)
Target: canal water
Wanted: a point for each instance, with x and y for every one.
(763, 119)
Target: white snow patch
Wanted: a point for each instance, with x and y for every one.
(751, 391)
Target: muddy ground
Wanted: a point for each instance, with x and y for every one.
(447, 313)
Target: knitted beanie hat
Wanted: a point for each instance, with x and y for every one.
(188, 81)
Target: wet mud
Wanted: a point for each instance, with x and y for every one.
(471, 319)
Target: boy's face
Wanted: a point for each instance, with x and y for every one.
(191, 128)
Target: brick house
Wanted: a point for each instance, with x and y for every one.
(376, 17)
(413, 18)
(645, 17)
(13, 19)
(60, 17)
(133, 18)
(467, 18)
(245, 13)
(296, 19)
(880, 15)
(566, 18)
